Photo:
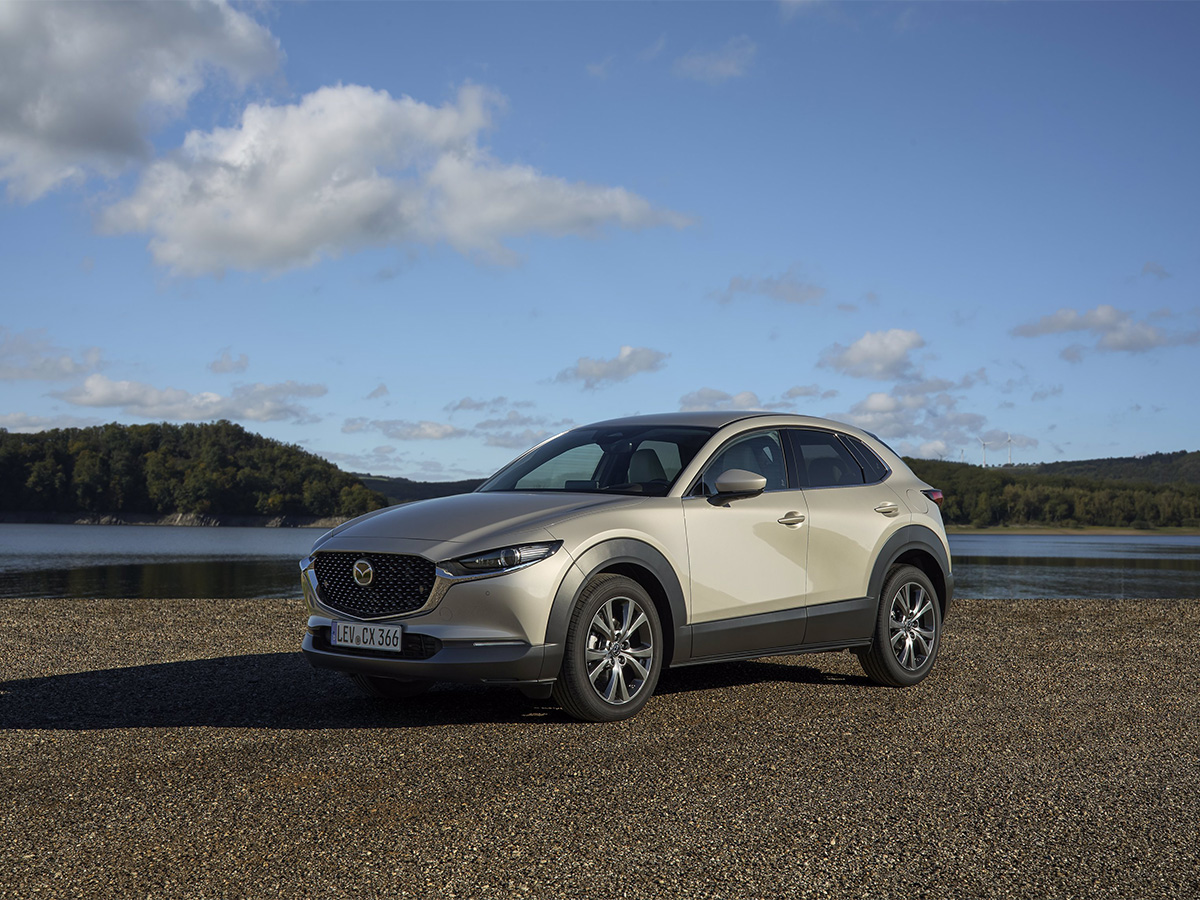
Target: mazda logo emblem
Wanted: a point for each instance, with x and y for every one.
(363, 573)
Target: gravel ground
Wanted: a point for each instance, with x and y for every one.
(185, 749)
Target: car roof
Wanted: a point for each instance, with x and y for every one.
(711, 419)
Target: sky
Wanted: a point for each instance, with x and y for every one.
(417, 238)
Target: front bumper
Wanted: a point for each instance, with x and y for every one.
(480, 662)
(475, 630)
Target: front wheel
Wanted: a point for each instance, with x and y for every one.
(908, 631)
(613, 652)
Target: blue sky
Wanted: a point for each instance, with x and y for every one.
(417, 238)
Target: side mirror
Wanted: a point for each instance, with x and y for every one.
(736, 484)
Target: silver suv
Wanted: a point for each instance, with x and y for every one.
(590, 562)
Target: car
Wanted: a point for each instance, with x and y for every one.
(603, 555)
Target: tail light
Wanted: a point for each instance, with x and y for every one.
(935, 495)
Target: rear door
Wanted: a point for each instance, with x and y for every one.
(851, 513)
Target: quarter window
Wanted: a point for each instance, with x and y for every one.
(873, 467)
(823, 460)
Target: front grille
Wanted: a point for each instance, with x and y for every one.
(400, 584)
(412, 646)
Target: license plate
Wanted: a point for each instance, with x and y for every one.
(368, 637)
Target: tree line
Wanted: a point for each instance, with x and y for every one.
(210, 469)
(984, 497)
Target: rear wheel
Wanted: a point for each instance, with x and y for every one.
(908, 630)
(389, 688)
(613, 652)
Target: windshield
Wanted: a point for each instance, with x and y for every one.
(639, 460)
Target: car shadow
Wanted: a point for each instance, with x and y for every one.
(282, 691)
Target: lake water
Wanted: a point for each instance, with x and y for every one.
(165, 562)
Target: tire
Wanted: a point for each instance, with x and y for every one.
(389, 688)
(613, 652)
(908, 630)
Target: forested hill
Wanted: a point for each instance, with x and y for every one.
(1028, 495)
(1180, 467)
(216, 469)
(403, 490)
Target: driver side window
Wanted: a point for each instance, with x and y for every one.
(760, 453)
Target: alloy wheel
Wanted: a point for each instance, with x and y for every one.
(620, 650)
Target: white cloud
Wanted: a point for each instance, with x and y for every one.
(516, 440)
(710, 398)
(225, 363)
(27, 424)
(403, 430)
(470, 404)
(29, 356)
(80, 83)
(787, 288)
(1046, 393)
(514, 419)
(348, 167)
(381, 391)
(654, 49)
(877, 354)
(716, 66)
(629, 362)
(1114, 330)
(600, 69)
(254, 402)
(1155, 269)
(920, 417)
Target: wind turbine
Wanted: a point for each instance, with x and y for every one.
(962, 456)
(1009, 442)
(984, 445)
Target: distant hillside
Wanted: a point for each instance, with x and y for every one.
(211, 470)
(1180, 467)
(1029, 495)
(402, 490)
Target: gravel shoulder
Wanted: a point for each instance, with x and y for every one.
(185, 749)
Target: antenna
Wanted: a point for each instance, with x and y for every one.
(1009, 442)
(984, 445)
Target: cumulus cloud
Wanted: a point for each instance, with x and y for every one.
(253, 402)
(470, 404)
(710, 398)
(81, 83)
(1114, 330)
(225, 363)
(881, 355)
(787, 288)
(716, 66)
(628, 362)
(1046, 393)
(349, 167)
(1155, 269)
(381, 391)
(922, 418)
(29, 356)
(403, 430)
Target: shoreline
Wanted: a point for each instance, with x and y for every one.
(1079, 530)
(182, 520)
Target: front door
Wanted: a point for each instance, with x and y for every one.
(747, 556)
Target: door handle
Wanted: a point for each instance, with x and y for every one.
(791, 519)
(888, 509)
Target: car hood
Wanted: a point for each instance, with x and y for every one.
(471, 518)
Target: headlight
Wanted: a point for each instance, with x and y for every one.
(503, 560)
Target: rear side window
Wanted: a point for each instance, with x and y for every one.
(823, 460)
(873, 467)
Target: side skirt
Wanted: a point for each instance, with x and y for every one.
(829, 626)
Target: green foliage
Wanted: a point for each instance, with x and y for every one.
(1027, 495)
(211, 469)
